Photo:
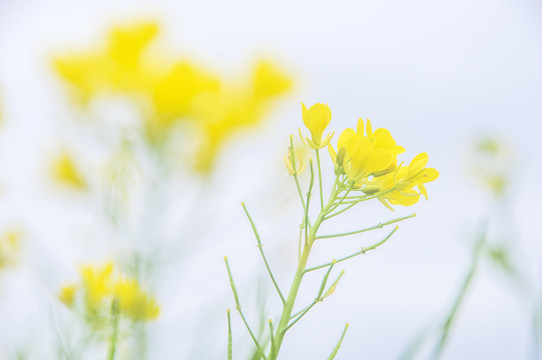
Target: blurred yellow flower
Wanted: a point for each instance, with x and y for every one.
(116, 67)
(99, 286)
(65, 172)
(134, 303)
(269, 80)
(97, 282)
(9, 247)
(169, 90)
(67, 295)
(316, 119)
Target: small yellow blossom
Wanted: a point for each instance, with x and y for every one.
(299, 164)
(66, 172)
(316, 119)
(365, 153)
(403, 180)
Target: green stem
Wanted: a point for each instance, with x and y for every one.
(230, 352)
(260, 247)
(292, 159)
(361, 252)
(115, 313)
(338, 346)
(238, 307)
(294, 289)
(446, 327)
(320, 179)
(379, 226)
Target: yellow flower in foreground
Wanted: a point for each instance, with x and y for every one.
(98, 288)
(403, 180)
(365, 153)
(316, 119)
(66, 173)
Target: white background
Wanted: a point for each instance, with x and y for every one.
(438, 74)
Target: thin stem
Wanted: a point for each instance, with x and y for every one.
(306, 310)
(446, 327)
(292, 153)
(238, 307)
(260, 247)
(378, 226)
(309, 193)
(115, 313)
(360, 252)
(338, 346)
(272, 331)
(361, 199)
(320, 179)
(230, 356)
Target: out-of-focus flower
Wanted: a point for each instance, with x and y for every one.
(169, 91)
(118, 66)
(99, 286)
(492, 165)
(9, 248)
(269, 80)
(363, 155)
(316, 119)
(235, 107)
(65, 172)
(403, 180)
(134, 303)
(67, 294)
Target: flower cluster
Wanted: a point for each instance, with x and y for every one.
(100, 287)
(368, 160)
(171, 91)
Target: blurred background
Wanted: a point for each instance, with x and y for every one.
(86, 176)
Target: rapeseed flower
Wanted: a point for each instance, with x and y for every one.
(99, 287)
(365, 153)
(134, 303)
(316, 119)
(170, 91)
(9, 248)
(65, 172)
(398, 186)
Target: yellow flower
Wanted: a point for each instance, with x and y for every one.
(316, 119)
(67, 294)
(97, 283)
(9, 247)
(117, 66)
(269, 80)
(361, 156)
(299, 164)
(66, 173)
(134, 303)
(99, 287)
(404, 179)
